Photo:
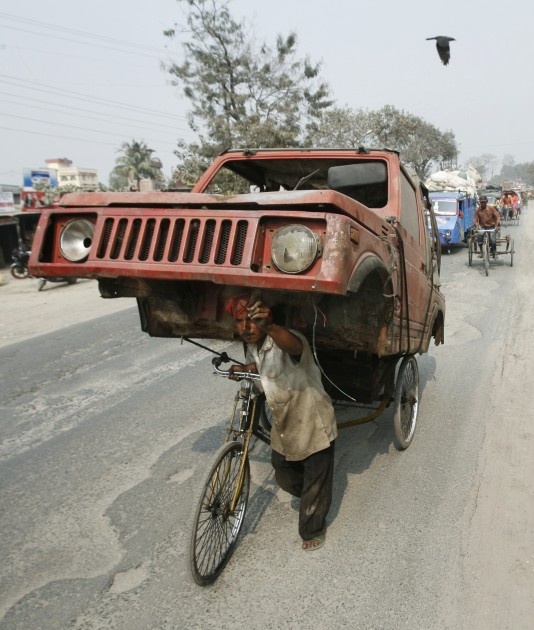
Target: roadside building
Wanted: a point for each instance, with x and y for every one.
(74, 177)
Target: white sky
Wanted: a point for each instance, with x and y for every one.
(67, 95)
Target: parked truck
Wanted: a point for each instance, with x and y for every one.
(336, 241)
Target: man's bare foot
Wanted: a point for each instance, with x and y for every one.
(314, 543)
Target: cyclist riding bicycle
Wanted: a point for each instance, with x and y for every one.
(507, 204)
(487, 217)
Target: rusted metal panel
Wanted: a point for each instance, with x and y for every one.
(368, 293)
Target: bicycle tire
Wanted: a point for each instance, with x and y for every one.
(19, 272)
(470, 251)
(215, 529)
(406, 403)
(485, 255)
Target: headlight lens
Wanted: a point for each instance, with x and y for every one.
(295, 248)
(76, 239)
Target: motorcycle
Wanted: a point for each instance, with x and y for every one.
(43, 281)
(19, 266)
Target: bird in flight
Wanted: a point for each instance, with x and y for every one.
(442, 45)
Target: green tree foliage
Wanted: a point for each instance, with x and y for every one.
(135, 163)
(243, 93)
(343, 127)
(420, 144)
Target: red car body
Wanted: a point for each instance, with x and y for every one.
(341, 243)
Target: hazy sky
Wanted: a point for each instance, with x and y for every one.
(79, 78)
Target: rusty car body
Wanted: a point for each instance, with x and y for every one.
(341, 243)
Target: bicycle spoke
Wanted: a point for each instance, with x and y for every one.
(406, 403)
(216, 526)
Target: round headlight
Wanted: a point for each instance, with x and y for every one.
(294, 248)
(76, 239)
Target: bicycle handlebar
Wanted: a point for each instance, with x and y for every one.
(216, 362)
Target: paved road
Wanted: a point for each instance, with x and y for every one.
(105, 434)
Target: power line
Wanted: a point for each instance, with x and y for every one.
(78, 33)
(70, 108)
(43, 87)
(77, 41)
(56, 136)
(65, 126)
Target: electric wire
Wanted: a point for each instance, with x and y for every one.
(71, 108)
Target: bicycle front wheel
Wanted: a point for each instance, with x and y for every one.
(486, 255)
(215, 525)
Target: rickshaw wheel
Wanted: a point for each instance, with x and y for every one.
(470, 252)
(512, 253)
(406, 405)
(485, 256)
(215, 526)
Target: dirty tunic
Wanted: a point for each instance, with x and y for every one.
(303, 416)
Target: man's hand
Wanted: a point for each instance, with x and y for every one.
(249, 367)
(260, 314)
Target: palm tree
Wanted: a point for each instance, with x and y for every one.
(136, 163)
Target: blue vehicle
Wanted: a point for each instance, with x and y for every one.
(455, 216)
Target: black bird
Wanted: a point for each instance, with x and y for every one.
(442, 44)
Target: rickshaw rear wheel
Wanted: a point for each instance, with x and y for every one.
(470, 251)
(406, 405)
(512, 253)
(215, 526)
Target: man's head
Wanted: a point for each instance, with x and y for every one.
(237, 306)
(483, 201)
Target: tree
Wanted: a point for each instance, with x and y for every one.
(419, 143)
(483, 163)
(343, 127)
(135, 163)
(243, 92)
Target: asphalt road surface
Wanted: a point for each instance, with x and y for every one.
(106, 435)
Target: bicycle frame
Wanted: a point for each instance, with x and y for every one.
(242, 422)
(486, 241)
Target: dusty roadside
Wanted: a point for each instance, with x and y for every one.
(499, 529)
(26, 312)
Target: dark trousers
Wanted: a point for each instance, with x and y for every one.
(311, 480)
(492, 241)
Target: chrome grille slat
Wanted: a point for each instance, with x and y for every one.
(191, 240)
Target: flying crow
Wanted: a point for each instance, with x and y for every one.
(442, 44)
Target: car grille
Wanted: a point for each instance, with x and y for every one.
(173, 240)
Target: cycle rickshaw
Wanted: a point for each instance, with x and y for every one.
(223, 500)
(504, 246)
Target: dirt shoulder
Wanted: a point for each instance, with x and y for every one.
(26, 312)
(499, 552)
